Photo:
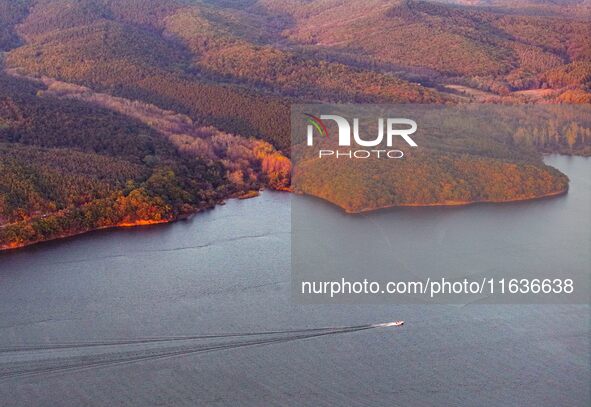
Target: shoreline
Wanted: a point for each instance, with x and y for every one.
(450, 204)
(139, 223)
(144, 223)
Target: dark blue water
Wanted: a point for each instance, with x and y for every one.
(228, 270)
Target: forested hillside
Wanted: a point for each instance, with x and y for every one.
(489, 49)
(70, 166)
(189, 60)
(11, 13)
(491, 157)
(121, 112)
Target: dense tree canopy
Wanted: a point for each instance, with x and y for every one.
(143, 111)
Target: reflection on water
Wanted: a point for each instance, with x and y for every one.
(227, 271)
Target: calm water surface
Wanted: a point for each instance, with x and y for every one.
(228, 270)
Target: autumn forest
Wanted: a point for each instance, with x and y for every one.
(133, 112)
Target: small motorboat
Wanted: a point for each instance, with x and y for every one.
(387, 324)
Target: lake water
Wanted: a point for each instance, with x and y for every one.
(542, 239)
(228, 271)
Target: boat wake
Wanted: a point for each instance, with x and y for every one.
(40, 359)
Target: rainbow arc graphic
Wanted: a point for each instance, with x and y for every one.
(318, 124)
